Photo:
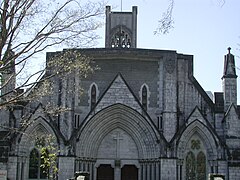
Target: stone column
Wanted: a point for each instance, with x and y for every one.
(157, 170)
(91, 171)
(117, 170)
(95, 172)
(11, 167)
(153, 170)
(143, 171)
(179, 169)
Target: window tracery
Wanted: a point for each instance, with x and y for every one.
(195, 162)
(121, 39)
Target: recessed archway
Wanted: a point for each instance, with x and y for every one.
(118, 116)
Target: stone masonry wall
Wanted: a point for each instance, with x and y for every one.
(168, 169)
(234, 173)
(66, 168)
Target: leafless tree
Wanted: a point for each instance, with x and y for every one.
(165, 23)
(28, 27)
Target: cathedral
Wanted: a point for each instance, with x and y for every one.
(141, 116)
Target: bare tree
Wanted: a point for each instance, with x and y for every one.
(28, 27)
(165, 23)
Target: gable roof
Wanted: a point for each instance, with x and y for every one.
(228, 112)
(118, 92)
(39, 112)
(196, 114)
(191, 120)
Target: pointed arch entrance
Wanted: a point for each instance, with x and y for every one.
(122, 138)
(197, 147)
(39, 132)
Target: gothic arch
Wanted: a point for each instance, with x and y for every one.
(123, 31)
(92, 102)
(123, 117)
(144, 100)
(38, 126)
(200, 130)
(197, 148)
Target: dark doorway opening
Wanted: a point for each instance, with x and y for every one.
(105, 172)
(129, 172)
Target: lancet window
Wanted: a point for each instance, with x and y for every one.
(36, 171)
(144, 97)
(93, 96)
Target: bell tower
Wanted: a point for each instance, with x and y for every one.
(121, 29)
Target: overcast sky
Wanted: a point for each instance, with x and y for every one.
(203, 28)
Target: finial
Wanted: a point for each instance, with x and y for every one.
(229, 49)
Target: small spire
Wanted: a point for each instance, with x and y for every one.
(229, 49)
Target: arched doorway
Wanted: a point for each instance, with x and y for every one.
(129, 172)
(121, 137)
(105, 172)
(197, 149)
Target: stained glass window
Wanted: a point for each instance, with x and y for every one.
(190, 166)
(201, 166)
(195, 162)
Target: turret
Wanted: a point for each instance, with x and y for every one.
(229, 81)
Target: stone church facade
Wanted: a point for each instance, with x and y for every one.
(141, 116)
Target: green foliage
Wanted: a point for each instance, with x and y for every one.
(49, 152)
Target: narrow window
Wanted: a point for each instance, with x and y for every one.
(190, 166)
(144, 97)
(76, 120)
(36, 171)
(93, 96)
(160, 122)
(34, 164)
(201, 166)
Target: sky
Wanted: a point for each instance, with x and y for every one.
(202, 28)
